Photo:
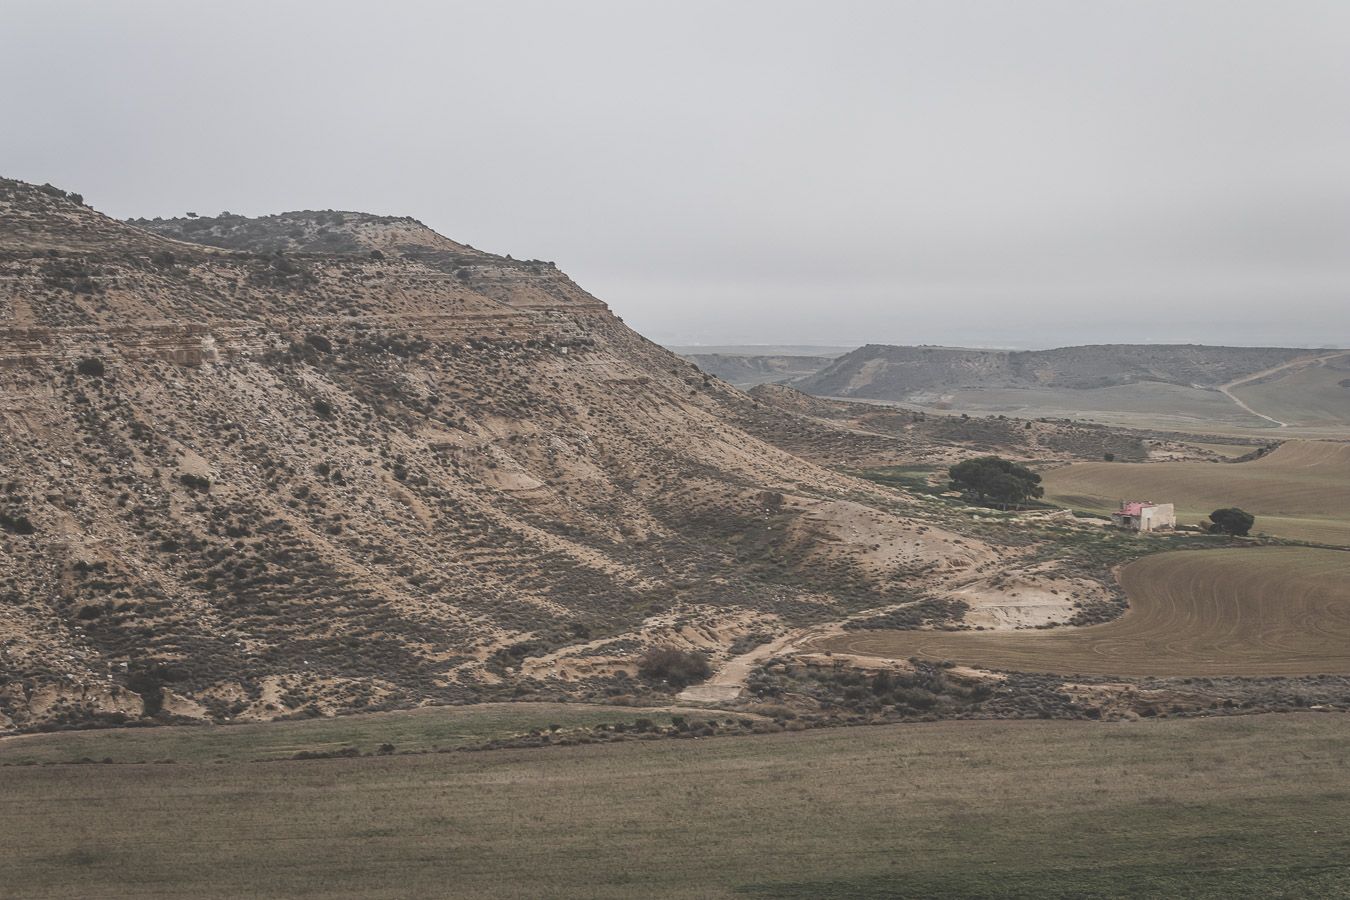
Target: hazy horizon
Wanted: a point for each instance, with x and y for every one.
(1045, 173)
(837, 350)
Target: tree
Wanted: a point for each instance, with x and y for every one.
(91, 366)
(678, 668)
(1231, 520)
(1000, 480)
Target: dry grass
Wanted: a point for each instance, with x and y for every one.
(1269, 611)
(1300, 491)
(1144, 404)
(1237, 807)
(1228, 451)
(431, 728)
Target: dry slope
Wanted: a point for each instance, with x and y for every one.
(339, 461)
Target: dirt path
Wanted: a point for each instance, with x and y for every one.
(728, 682)
(1302, 362)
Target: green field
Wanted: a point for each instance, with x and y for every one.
(1299, 491)
(1222, 807)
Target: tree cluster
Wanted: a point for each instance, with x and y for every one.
(678, 668)
(1231, 520)
(997, 480)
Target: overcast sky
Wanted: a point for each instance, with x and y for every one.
(991, 173)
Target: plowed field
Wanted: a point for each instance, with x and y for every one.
(1300, 491)
(1268, 611)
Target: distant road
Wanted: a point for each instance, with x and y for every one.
(1303, 362)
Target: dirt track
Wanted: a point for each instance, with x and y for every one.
(1270, 611)
(1227, 389)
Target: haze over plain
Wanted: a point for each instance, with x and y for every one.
(1037, 174)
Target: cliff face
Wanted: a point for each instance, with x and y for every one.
(340, 462)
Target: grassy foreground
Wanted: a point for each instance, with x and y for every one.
(1237, 807)
(428, 729)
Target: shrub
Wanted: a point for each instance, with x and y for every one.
(91, 366)
(195, 482)
(16, 524)
(1003, 481)
(319, 342)
(322, 408)
(149, 683)
(1231, 520)
(678, 668)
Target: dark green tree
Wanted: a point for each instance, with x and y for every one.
(991, 478)
(91, 366)
(678, 668)
(1231, 520)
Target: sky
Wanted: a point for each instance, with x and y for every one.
(1021, 174)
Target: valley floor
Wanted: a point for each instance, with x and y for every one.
(1234, 612)
(1248, 806)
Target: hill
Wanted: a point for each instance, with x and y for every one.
(867, 435)
(1178, 386)
(747, 370)
(327, 461)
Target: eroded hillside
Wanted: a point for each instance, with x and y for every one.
(882, 372)
(338, 461)
(746, 371)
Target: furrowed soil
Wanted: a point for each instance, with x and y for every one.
(1259, 611)
(1224, 807)
(1301, 490)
